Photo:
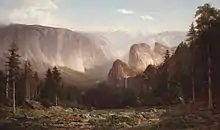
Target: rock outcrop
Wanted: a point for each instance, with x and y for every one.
(141, 55)
(118, 72)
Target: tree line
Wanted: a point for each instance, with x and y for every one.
(192, 72)
(20, 83)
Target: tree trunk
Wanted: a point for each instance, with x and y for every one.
(193, 74)
(126, 82)
(14, 110)
(193, 90)
(56, 100)
(6, 90)
(210, 104)
(7, 85)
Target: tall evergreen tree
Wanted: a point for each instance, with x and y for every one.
(206, 18)
(36, 84)
(166, 57)
(47, 91)
(191, 35)
(192, 41)
(57, 82)
(28, 80)
(162, 85)
(13, 66)
(49, 76)
(206, 15)
(166, 67)
(180, 70)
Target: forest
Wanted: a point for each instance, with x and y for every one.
(190, 75)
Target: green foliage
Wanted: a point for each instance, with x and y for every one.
(13, 70)
(52, 87)
(47, 90)
(192, 34)
(56, 75)
(13, 62)
(206, 17)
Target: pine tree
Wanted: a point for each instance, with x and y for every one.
(165, 74)
(47, 91)
(36, 83)
(191, 35)
(192, 39)
(13, 67)
(206, 15)
(166, 65)
(57, 82)
(166, 59)
(49, 76)
(27, 80)
(206, 18)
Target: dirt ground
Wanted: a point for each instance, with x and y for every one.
(161, 118)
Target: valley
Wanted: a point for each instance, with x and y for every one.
(57, 78)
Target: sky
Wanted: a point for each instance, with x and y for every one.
(104, 15)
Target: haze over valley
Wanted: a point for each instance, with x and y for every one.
(109, 64)
(86, 54)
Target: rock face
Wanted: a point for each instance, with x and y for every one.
(46, 47)
(141, 55)
(54, 46)
(118, 72)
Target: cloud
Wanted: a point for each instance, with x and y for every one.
(124, 11)
(146, 17)
(30, 12)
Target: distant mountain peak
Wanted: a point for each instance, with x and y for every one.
(141, 55)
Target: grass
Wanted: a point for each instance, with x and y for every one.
(165, 118)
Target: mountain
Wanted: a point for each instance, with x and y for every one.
(119, 71)
(160, 49)
(167, 38)
(121, 41)
(46, 47)
(84, 58)
(141, 55)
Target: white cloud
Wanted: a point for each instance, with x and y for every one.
(124, 11)
(146, 17)
(31, 12)
(48, 13)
